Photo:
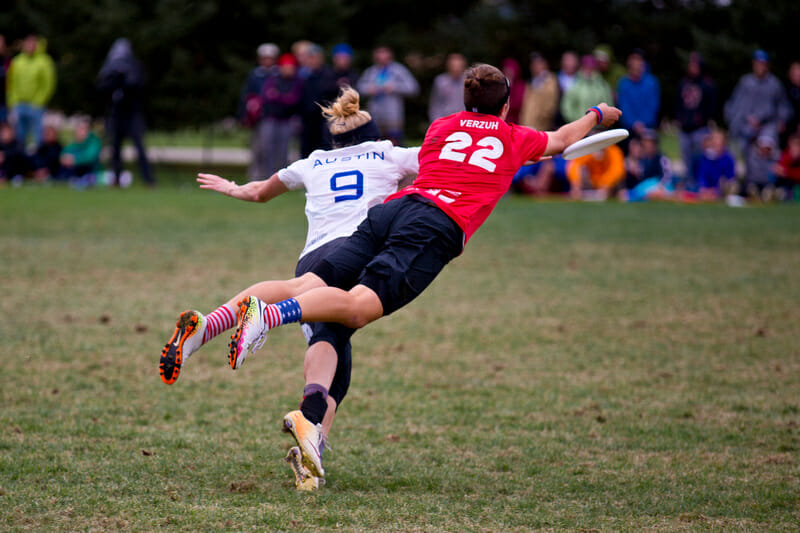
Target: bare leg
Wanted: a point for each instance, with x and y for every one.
(320, 367)
(275, 291)
(354, 308)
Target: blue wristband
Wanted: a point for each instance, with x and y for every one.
(597, 111)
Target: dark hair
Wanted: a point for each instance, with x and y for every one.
(486, 89)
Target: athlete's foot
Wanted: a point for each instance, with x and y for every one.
(303, 478)
(250, 331)
(188, 337)
(309, 438)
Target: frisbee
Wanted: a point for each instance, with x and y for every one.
(594, 143)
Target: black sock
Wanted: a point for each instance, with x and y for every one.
(314, 407)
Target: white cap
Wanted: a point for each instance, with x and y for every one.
(268, 50)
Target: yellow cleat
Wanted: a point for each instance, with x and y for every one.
(303, 478)
(309, 438)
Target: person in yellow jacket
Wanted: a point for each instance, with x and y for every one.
(30, 83)
(599, 172)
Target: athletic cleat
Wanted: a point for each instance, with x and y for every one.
(188, 337)
(309, 438)
(303, 478)
(250, 331)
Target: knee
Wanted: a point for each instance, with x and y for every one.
(365, 307)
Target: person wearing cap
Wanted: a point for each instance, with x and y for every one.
(281, 98)
(695, 107)
(542, 96)
(758, 105)
(250, 111)
(638, 95)
(611, 71)
(588, 90)
(342, 62)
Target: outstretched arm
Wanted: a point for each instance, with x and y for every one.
(557, 141)
(255, 191)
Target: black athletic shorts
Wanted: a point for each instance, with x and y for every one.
(336, 335)
(397, 251)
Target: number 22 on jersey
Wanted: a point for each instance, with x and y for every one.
(491, 148)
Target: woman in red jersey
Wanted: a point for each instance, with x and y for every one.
(467, 162)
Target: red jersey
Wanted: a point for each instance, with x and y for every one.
(467, 162)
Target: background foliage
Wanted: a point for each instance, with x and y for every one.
(197, 53)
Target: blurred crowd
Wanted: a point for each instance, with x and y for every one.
(32, 145)
(739, 147)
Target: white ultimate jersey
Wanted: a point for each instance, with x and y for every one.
(342, 184)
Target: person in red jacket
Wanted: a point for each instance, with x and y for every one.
(787, 169)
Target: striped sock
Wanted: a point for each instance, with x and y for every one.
(223, 318)
(284, 312)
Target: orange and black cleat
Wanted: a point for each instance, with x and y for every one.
(187, 338)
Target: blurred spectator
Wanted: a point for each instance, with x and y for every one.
(759, 166)
(251, 111)
(588, 90)
(542, 95)
(282, 96)
(47, 159)
(611, 71)
(300, 52)
(597, 175)
(513, 71)
(543, 178)
(319, 88)
(638, 96)
(121, 80)
(793, 93)
(716, 167)
(694, 110)
(758, 106)
(343, 69)
(787, 170)
(13, 160)
(30, 83)
(80, 159)
(568, 71)
(5, 61)
(648, 171)
(447, 93)
(387, 83)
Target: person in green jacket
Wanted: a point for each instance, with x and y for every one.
(80, 160)
(588, 90)
(30, 83)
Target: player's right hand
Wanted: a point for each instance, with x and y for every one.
(216, 183)
(611, 114)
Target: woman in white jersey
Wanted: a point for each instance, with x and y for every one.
(341, 185)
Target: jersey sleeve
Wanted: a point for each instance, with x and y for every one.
(407, 159)
(292, 176)
(530, 143)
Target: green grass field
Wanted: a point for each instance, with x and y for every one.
(581, 367)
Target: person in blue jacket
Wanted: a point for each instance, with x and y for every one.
(638, 96)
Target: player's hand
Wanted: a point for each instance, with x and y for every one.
(216, 183)
(610, 114)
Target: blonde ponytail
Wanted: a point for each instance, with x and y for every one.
(345, 113)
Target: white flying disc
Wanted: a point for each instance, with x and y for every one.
(594, 143)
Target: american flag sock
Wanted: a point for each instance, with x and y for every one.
(219, 320)
(284, 312)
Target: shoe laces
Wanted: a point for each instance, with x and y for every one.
(259, 342)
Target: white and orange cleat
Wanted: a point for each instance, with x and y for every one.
(309, 438)
(186, 339)
(250, 331)
(303, 478)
